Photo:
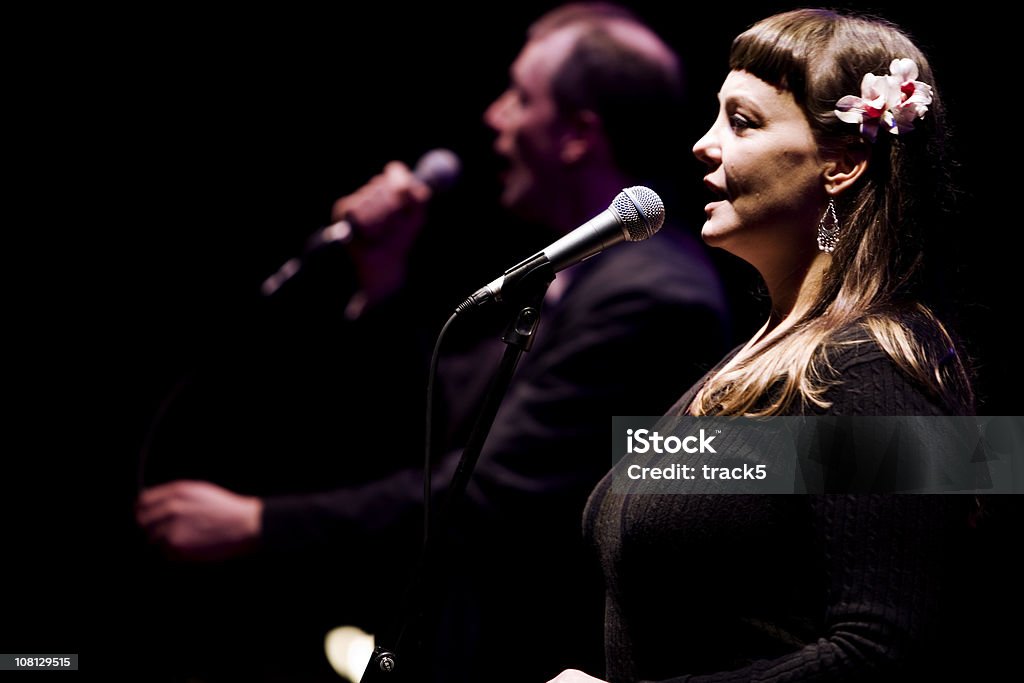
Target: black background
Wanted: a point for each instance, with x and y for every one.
(164, 161)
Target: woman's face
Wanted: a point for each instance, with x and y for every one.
(766, 172)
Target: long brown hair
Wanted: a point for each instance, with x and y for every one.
(820, 56)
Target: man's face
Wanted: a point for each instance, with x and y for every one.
(530, 130)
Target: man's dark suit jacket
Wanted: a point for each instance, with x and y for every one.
(632, 330)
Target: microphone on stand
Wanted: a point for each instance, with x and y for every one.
(635, 214)
(438, 168)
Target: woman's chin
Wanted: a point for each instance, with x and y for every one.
(712, 236)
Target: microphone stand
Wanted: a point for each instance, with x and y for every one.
(390, 663)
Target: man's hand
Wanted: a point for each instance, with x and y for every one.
(387, 214)
(197, 520)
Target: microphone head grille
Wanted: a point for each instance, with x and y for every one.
(641, 211)
(439, 168)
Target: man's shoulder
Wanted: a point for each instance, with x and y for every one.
(670, 266)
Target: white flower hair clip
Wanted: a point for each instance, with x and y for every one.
(893, 101)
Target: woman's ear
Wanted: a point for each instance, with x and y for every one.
(844, 168)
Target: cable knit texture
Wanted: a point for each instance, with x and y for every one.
(784, 587)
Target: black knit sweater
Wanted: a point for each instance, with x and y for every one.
(783, 587)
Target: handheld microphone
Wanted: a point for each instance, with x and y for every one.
(635, 214)
(438, 168)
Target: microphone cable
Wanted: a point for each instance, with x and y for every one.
(428, 432)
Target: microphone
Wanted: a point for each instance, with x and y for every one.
(635, 214)
(439, 168)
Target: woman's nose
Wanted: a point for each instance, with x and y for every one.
(706, 149)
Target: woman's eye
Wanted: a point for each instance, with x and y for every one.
(740, 123)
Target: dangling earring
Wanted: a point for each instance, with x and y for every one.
(828, 228)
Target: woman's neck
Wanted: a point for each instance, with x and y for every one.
(793, 294)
